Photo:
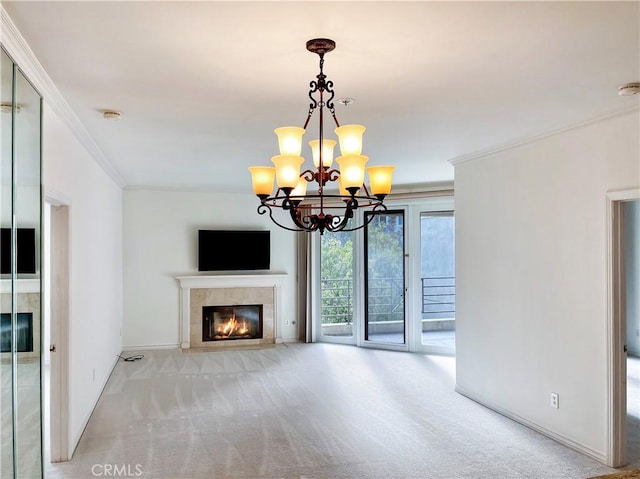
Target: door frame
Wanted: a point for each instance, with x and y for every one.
(59, 274)
(316, 288)
(362, 288)
(439, 208)
(616, 329)
(413, 205)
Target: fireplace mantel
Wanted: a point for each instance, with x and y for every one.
(222, 281)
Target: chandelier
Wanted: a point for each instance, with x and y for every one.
(320, 211)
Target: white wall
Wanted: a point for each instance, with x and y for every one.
(95, 208)
(531, 276)
(160, 243)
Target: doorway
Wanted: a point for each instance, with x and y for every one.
(337, 288)
(630, 211)
(371, 282)
(437, 282)
(361, 282)
(55, 371)
(384, 279)
(623, 327)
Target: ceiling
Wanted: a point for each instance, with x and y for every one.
(202, 85)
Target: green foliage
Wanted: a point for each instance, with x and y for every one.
(385, 248)
(336, 276)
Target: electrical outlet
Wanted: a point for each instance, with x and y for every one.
(286, 322)
(555, 400)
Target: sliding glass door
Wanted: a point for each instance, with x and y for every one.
(437, 282)
(337, 287)
(392, 284)
(384, 284)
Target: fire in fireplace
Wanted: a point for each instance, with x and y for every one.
(221, 323)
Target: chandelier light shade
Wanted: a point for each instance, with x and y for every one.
(350, 137)
(262, 180)
(290, 140)
(327, 152)
(352, 170)
(313, 209)
(380, 179)
(287, 171)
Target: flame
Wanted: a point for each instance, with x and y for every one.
(230, 326)
(242, 328)
(233, 327)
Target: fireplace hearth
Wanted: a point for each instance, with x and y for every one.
(224, 323)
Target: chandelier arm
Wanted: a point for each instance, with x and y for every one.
(311, 110)
(339, 223)
(332, 110)
(379, 208)
(329, 89)
(313, 87)
(264, 209)
(308, 175)
(304, 222)
(371, 201)
(332, 175)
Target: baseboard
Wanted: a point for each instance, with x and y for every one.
(75, 441)
(564, 440)
(148, 347)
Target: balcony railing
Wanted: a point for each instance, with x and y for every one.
(337, 301)
(386, 299)
(438, 296)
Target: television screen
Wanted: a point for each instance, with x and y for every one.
(25, 254)
(229, 250)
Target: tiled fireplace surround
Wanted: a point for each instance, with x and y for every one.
(228, 290)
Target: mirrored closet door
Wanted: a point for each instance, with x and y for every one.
(20, 273)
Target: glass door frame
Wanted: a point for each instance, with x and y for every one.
(439, 204)
(316, 296)
(413, 207)
(362, 287)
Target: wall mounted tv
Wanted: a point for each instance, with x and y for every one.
(25, 254)
(233, 250)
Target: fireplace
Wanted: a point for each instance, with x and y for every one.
(198, 292)
(224, 323)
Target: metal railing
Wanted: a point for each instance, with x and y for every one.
(438, 296)
(386, 299)
(337, 301)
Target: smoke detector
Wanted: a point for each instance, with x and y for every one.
(346, 101)
(112, 115)
(629, 89)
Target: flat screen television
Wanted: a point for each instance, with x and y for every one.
(233, 250)
(25, 251)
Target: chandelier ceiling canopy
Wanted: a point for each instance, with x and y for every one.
(318, 210)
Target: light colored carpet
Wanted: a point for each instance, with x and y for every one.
(306, 411)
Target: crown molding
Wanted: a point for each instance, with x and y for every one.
(479, 155)
(17, 47)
